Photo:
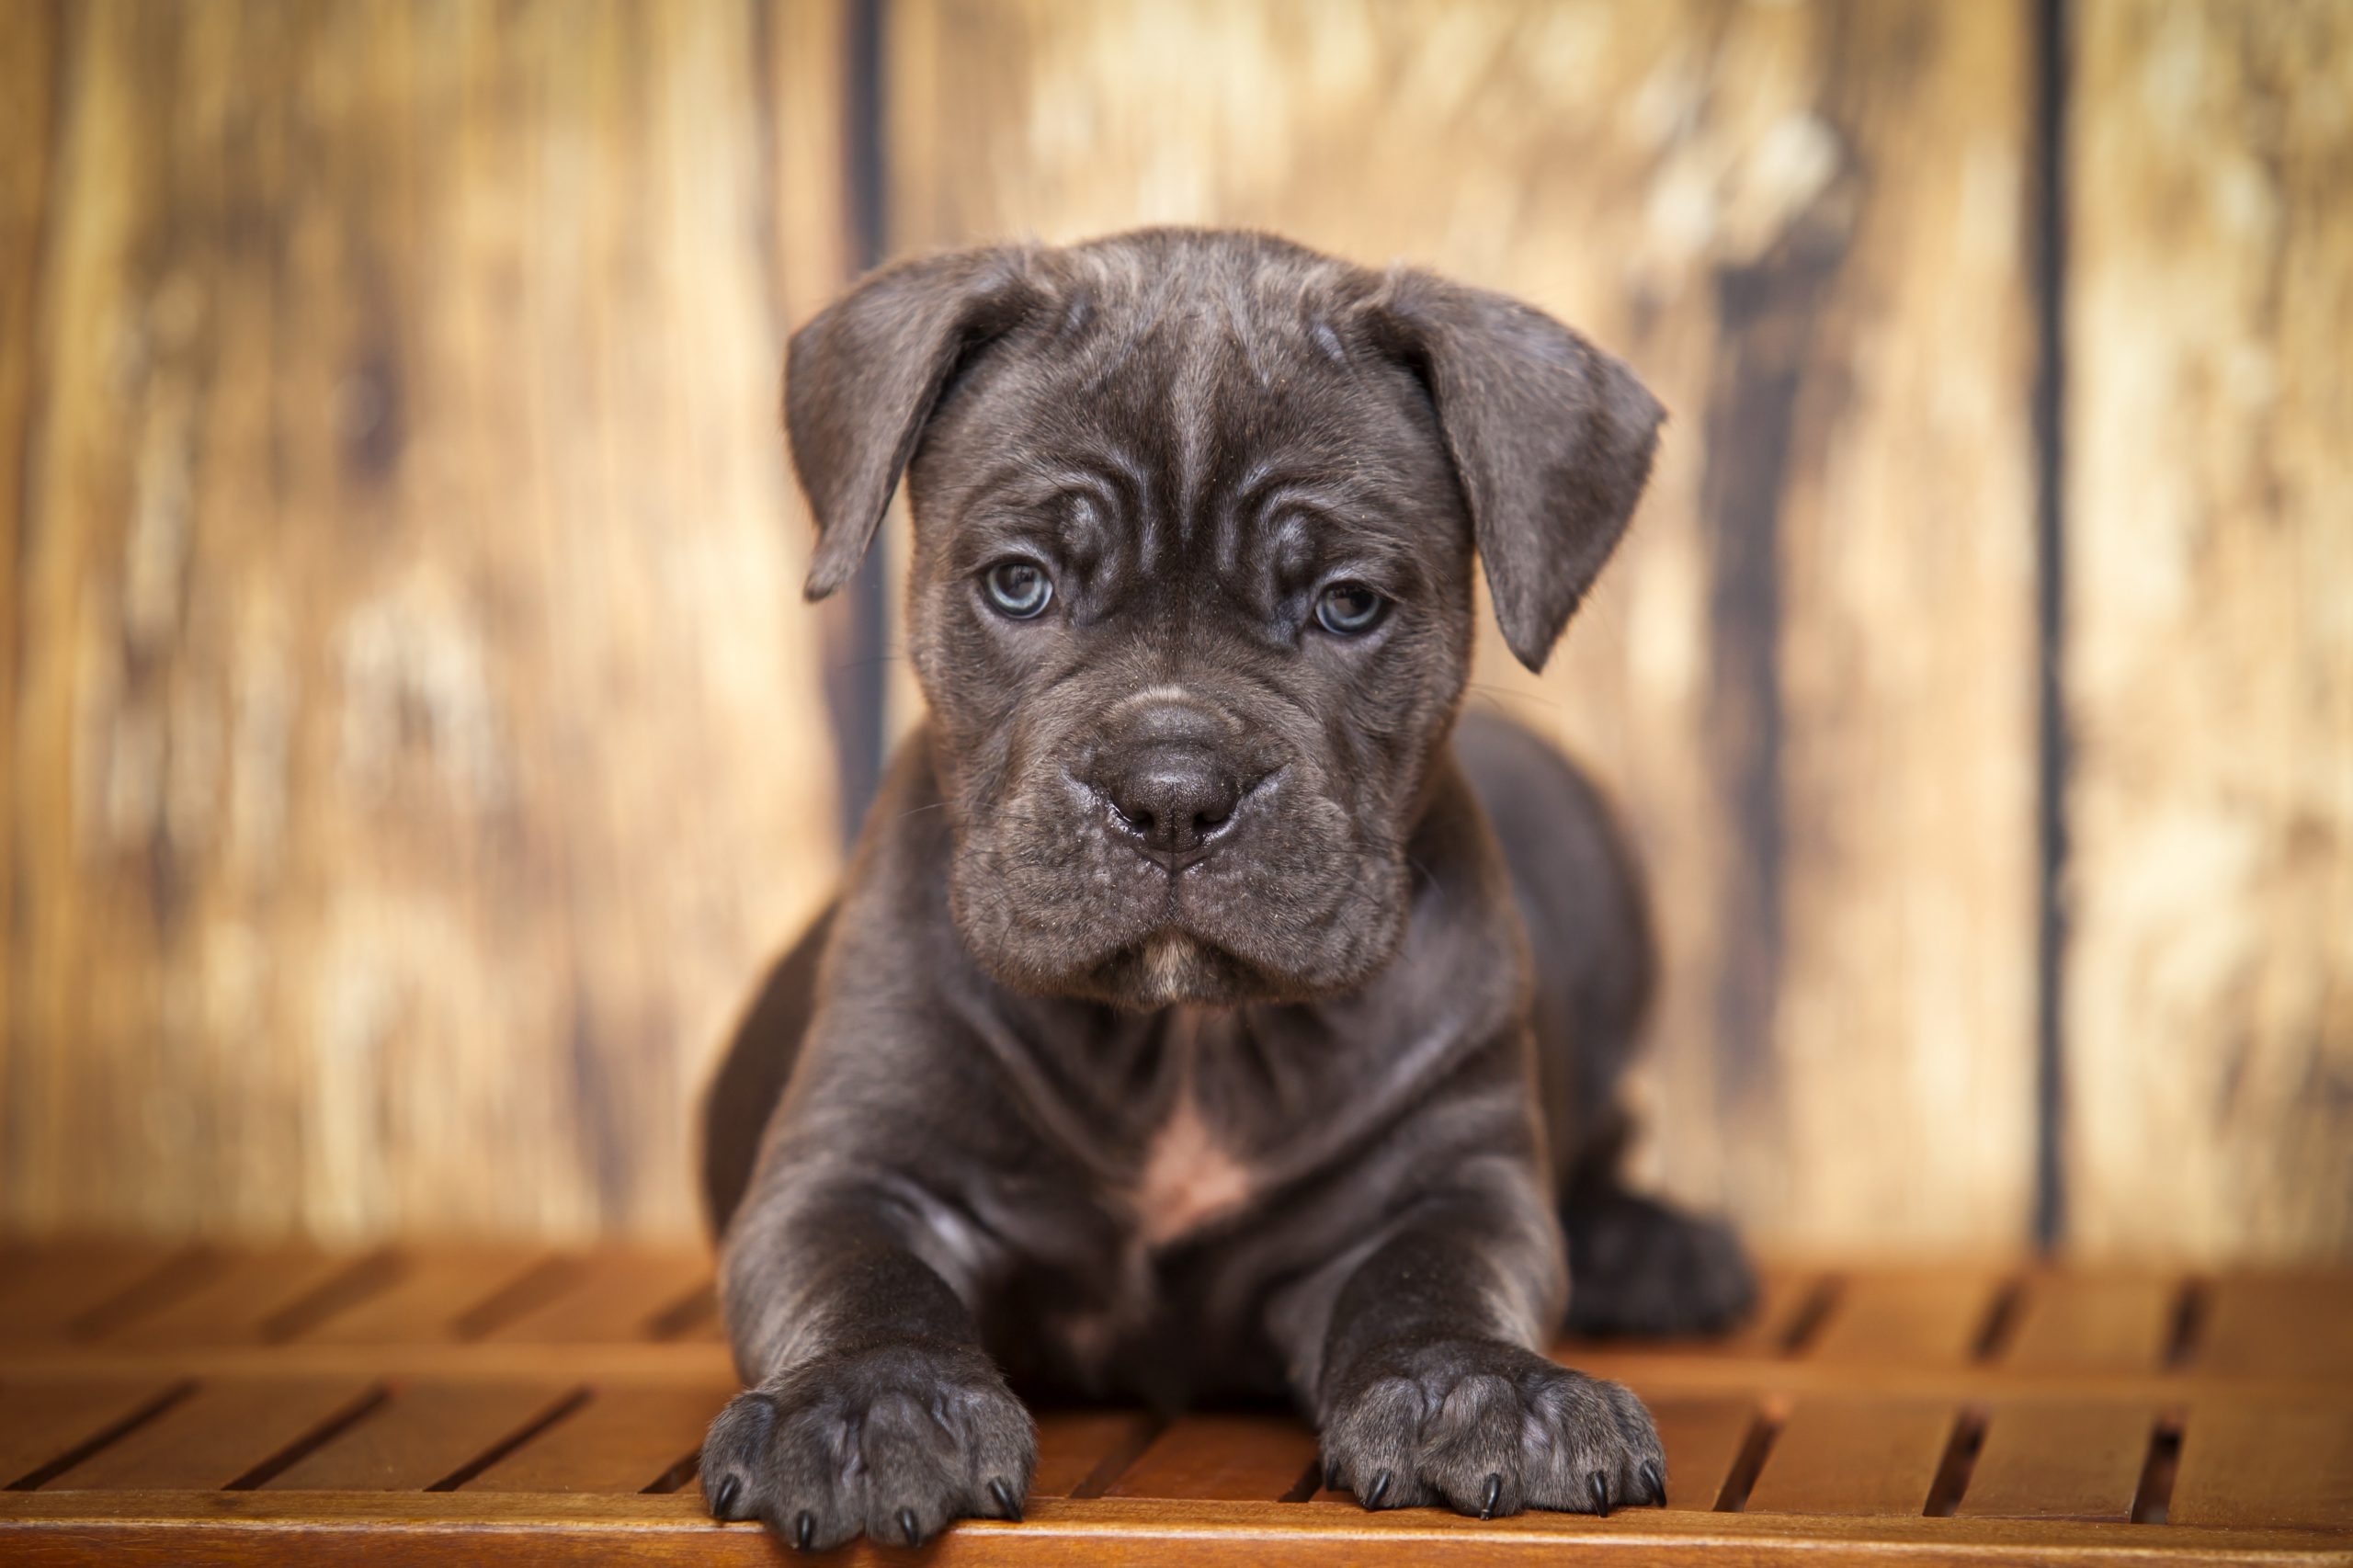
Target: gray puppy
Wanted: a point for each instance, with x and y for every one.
(1177, 1034)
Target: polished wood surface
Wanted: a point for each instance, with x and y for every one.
(463, 1435)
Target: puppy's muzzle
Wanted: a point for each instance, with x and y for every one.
(1175, 803)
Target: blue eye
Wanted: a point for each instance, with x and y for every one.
(1018, 589)
(1349, 610)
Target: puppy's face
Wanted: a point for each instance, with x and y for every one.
(1191, 604)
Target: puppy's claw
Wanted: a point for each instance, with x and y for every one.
(1487, 1504)
(1331, 1476)
(804, 1531)
(1601, 1496)
(1656, 1481)
(907, 1527)
(1005, 1503)
(1380, 1489)
(722, 1502)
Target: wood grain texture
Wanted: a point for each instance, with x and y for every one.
(2070, 1319)
(2047, 1458)
(1222, 1459)
(2210, 629)
(417, 744)
(1846, 1455)
(216, 1435)
(2256, 1465)
(424, 1434)
(547, 1528)
(1800, 223)
(43, 1419)
(622, 1440)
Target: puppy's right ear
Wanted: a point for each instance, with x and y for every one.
(861, 379)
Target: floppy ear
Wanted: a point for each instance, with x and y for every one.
(861, 378)
(1550, 437)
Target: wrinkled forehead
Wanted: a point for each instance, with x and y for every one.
(1185, 389)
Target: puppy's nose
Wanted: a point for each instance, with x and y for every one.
(1174, 801)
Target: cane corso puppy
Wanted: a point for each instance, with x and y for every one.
(1207, 1014)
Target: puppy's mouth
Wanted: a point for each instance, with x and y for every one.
(1269, 895)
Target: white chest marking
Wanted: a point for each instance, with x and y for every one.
(1187, 1178)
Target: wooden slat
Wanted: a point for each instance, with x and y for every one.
(608, 1296)
(2075, 1322)
(423, 1433)
(2209, 659)
(2299, 1324)
(2246, 1464)
(41, 1421)
(1073, 1445)
(1236, 1458)
(234, 1303)
(1854, 1455)
(216, 1435)
(622, 1440)
(48, 1290)
(1702, 1438)
(426, 1296)
(1930, 1318)
(2060, 1460)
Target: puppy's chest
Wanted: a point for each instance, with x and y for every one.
(1189, 1177)
(1184, 1178)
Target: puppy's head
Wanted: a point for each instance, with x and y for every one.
(1191, 588)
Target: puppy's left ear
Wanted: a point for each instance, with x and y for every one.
(1550, 437)
(862, 376)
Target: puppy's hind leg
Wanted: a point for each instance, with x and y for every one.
(1640, 1266)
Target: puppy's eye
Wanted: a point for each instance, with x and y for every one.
(1017, 588)
(1349, 610)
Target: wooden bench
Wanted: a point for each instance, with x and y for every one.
(457, 1405)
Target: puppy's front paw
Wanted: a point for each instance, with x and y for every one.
(895, 1441)
(1488, 1428)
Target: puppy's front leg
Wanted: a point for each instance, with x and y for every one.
(1432, 1389)
(871, 1405)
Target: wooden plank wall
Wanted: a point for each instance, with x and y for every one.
(413, 745)
(414, 740)
(2210, 598)
(1809, 673)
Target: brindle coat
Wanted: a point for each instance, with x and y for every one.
(1175, 1033)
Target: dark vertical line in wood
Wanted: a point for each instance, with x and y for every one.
(1805, 1324)
(1994, 1336)
(371, 1275)
(1770, 311)
(489, 1456)
(1310, 1482)
(857, 621)
(1961, 1448)
(1140, 1434)
(151, 1293)
(2153, 1498)
(678, 1475)
(105, 1437)
(1755, 1448)
(682, 1317)
(544, 1282)
(2186, 1326)
(311, 1441)
(2048, 265)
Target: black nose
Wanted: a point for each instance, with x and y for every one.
(1173, 800)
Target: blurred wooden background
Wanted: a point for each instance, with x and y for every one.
(415, 741)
